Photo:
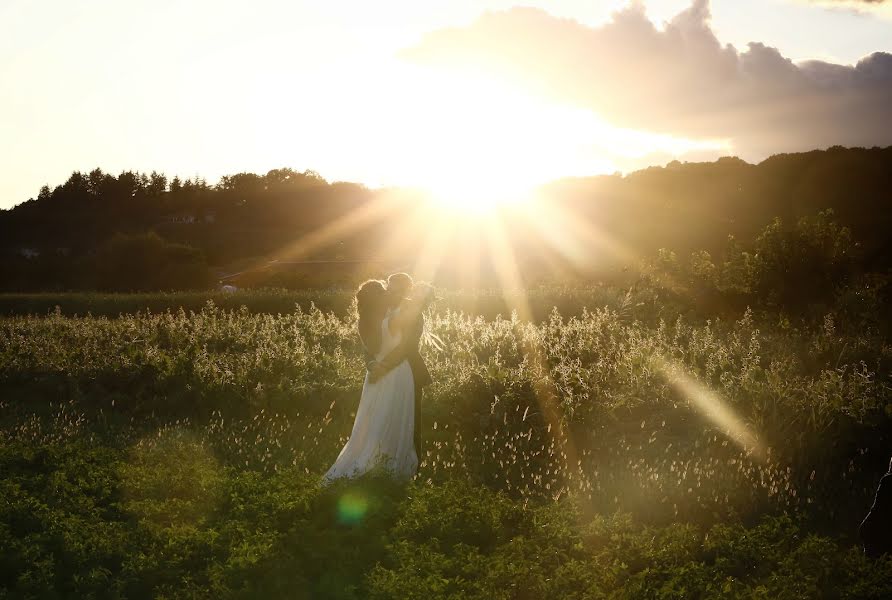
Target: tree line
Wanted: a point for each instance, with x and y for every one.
(138, 231)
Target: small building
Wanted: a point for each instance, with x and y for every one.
(180, 219)
(28, 252)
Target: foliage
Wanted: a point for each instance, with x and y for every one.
(569, 300)
(178, 454)
(792, 269)
(161, 518)
(147, 262)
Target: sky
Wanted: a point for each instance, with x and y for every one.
(449, 94)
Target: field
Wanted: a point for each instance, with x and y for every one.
(604, 448)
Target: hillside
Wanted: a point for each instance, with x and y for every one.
(50, 242)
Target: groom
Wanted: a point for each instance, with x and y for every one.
(399, 286)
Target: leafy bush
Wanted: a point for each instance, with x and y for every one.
(103, 518)
(787, 267)
(128, 263)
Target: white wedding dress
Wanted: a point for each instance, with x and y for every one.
(382, 435)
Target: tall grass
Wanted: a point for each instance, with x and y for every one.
(486, 303)
(588, 406)
(613, 452)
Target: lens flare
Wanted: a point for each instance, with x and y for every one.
(352, 508)
(710, 404)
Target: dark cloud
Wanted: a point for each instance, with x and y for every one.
(680, 80)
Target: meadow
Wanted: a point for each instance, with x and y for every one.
(610, 447)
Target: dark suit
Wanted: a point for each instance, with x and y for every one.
(420, 374)
(409, 350)
(876, 528)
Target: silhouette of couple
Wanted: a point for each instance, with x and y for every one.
(387, 431)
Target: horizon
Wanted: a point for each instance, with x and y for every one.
(411, 95)
(382, 188)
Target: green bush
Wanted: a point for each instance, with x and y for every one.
(104, 518)
(129, 263)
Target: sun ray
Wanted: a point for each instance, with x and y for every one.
(579, 240)
(430, 256)
(372, 212)
(384, 204)
(409, 236)
(515, 295)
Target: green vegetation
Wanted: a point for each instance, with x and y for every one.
(485, 303)
(178, 454)
(147, 262)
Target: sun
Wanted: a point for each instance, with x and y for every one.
(479, 194)
(477, 146)
(473, 142)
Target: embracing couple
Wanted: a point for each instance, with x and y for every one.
(387, 430)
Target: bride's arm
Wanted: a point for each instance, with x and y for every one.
(408, 312)
(399, 322)
(410, 309)
(391, 360)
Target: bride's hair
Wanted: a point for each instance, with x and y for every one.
(371, 302)
(370, 297)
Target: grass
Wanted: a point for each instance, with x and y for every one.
(487, 303)
(178, 454)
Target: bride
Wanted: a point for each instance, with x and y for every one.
(382, 435)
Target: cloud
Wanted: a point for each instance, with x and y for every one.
(875, 6)
(679, 80)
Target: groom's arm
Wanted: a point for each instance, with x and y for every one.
(389, 362)
(397, 355)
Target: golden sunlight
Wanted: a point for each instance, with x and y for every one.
(473, 142)
(476, 144)
(485, 146)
